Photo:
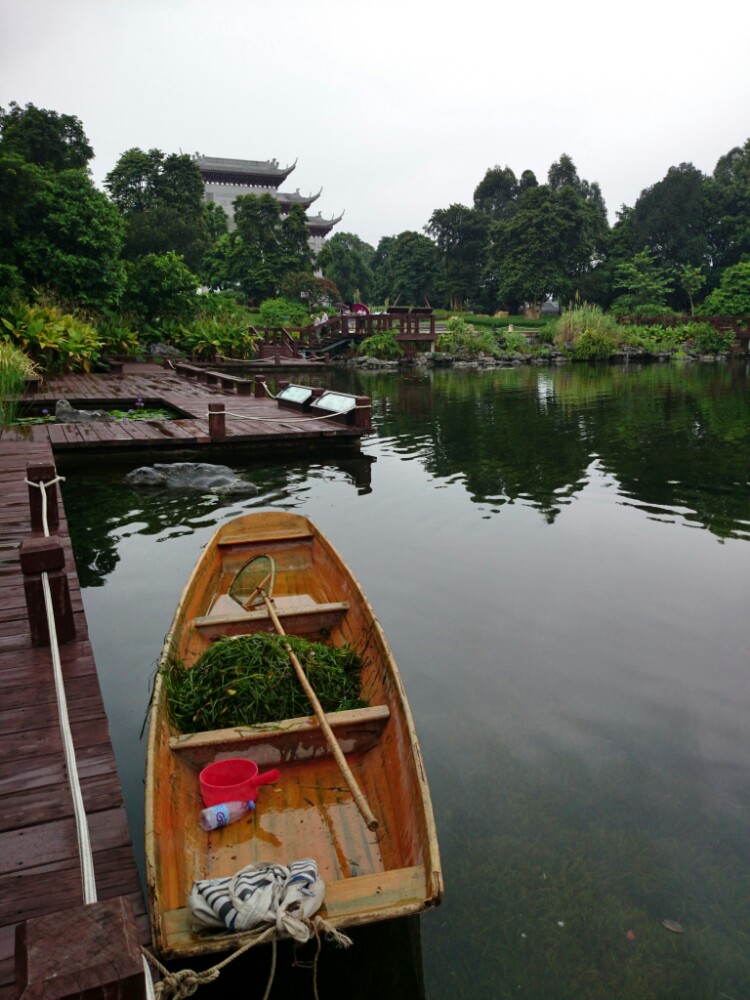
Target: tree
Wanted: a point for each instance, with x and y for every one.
(71, 240)
(692, 279)
(732, 297)
(408, 269)
(552, 243)
(461, 235)
(496, 193)
(563, 172)
(161, 200)
(730, 193)
(675, 219)
(44, 138)
(347, 261)
(160, 287)
(647, 285)
(304, 286)
(294, 246)
(523, 262)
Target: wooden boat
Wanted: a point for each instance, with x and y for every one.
(370, 875)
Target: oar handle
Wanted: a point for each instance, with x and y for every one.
(333, 743)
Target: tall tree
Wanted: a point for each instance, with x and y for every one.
(731, 201)
(552, 243)
(408, 270)
(72, 240)
(161, 199)
(461, 235)
(496, 193)
(45, 138)
(645, 282)
(674, 219)
(347, 260)
(294, 246)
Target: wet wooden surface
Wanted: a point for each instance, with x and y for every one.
(39, 864)
(256, 423)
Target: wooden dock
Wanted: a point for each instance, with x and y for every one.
(40, 872)
(252, 423)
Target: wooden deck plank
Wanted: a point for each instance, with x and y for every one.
(40, 868)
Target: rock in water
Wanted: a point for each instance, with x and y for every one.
(65, 413)
(198, 477)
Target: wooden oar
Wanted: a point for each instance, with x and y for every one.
(338, 753)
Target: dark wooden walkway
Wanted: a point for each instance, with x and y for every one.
(256, 424)
(39, 865)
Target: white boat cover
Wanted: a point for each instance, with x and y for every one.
(258, 897)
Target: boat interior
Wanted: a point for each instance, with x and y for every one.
(309, 811)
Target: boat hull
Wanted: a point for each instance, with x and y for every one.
(370, 875)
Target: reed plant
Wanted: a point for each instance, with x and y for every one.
(15, 368)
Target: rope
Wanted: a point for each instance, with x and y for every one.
(282, 420)
(185, 982)
(88, 876)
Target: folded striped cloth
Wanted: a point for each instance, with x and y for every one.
(258, 897)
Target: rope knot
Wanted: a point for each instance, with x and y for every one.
(184, 983)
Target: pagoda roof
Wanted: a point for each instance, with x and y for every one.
(318, 226)
(257, 173)
(288, 199)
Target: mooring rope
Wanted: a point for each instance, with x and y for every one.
(185, 982)
(283, 420)
(88, 876)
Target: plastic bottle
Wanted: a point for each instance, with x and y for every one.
(224, 814)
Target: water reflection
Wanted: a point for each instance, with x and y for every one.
(575, 663)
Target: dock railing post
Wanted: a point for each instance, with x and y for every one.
(46, 555)
(88, 951)
(40, 472)
(260, 386)
(363, 413)
(217, 421)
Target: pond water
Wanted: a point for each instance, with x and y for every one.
(560, 561)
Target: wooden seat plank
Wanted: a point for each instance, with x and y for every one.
(357, 731)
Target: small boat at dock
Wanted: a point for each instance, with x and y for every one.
(351, 792)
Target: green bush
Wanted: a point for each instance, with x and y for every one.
(160, 288)
(514, 343)
(278, 313)
(592, 345)
(705, 339)
(464, 338)
(585, 319)
(55, 340)
(381, 345)
(732, 297)
(652, 338)
(15, 368)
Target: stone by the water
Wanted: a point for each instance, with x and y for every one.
(66, 413)
(194, 476)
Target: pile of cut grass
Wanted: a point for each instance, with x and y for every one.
(249, 680)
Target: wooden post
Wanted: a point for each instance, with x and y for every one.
(260, 387)
(86, 951)
(46, 555)
(363, 417)
(39, 472)
(244, 387)
(217, 421)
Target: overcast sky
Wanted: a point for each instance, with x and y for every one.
(398, 107)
